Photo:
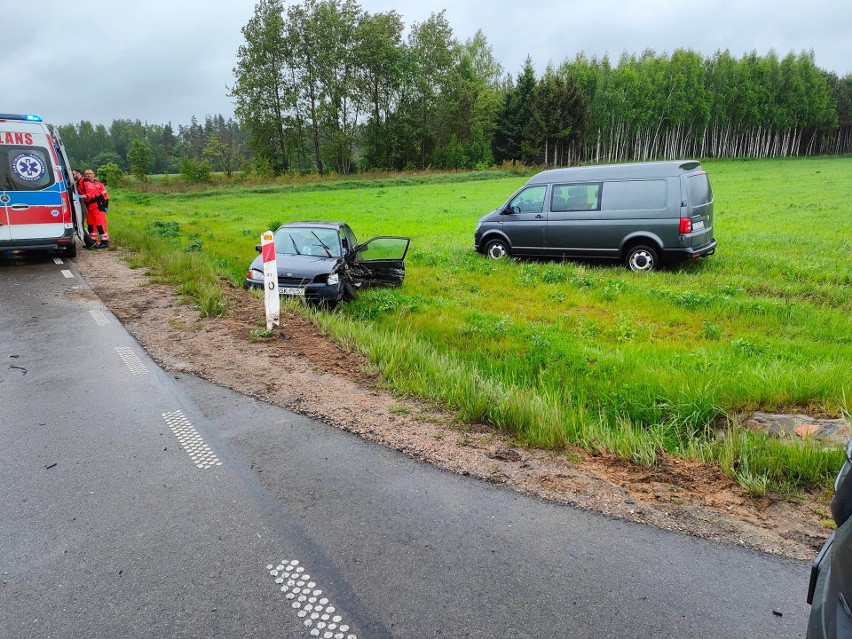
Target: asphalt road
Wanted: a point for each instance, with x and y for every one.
(138, 503)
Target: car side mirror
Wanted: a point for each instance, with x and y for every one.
(257, 248)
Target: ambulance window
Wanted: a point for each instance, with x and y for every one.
(25, 168)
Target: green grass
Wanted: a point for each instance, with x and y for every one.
(572, 353)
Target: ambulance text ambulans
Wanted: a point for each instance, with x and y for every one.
(38, 207)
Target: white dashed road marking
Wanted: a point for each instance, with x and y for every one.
(99, 317)
(315, 611)
(191, 441)
(67, 274)
(57, 260)
(131, 359)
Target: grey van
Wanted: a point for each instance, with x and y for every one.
(644, 214)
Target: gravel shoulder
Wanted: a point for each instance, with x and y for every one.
(315, 377)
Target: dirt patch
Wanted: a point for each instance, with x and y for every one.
(316, 377)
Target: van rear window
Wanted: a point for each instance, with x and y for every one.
(25, 168)
(698, 187)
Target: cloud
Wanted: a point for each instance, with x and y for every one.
(163, 60)
(155, 61)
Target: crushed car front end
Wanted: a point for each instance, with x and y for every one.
(315, 289)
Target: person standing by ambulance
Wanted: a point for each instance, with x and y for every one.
(94, 194)
(77, 174)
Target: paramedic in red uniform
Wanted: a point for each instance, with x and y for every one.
(94, 195)
(78, 185)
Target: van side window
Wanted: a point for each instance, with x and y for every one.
(635, 195)
(529, 200)
(575, 197)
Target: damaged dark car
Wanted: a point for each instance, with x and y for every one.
(324, 264)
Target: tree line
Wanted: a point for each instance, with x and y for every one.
(140, 148)
(325, 85)
(659, 106)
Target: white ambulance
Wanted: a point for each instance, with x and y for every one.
(38, 204)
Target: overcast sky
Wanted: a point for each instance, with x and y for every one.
(165, 60)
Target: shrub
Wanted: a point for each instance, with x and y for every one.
(262, 168)
(198, 171)
(110, 174)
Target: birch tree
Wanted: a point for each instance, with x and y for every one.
(263, 92)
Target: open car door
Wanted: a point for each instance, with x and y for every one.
(379, 262)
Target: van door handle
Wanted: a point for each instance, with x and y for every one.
(539, 216)
(20, 207)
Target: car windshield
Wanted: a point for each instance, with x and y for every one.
(295, 240)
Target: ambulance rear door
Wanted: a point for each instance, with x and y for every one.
(29, 184)
(73, 196)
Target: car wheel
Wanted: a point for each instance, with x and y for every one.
(497, 249)
(348, 291)
(642, 258)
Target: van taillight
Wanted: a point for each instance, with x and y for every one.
(685, 225)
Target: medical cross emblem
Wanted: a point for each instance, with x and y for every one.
(28, 167)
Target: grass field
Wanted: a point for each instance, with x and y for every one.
(574, 353)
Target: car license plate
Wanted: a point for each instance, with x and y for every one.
(282, 290)
(698, 226)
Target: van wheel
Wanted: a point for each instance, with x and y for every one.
(497, 249)
(70, 250)
(642, 258)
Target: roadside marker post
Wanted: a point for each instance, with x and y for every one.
(270, 280)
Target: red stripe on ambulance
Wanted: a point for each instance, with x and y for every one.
(36, 215)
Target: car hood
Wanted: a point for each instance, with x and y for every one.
(495, 214)
(301, 266)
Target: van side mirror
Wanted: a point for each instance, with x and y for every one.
(257, 248)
